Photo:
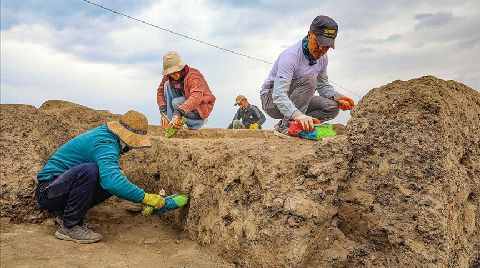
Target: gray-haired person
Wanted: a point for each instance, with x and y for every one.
(299, 71)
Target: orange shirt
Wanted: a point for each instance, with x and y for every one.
(198, 94)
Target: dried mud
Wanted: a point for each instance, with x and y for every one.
(400, 187)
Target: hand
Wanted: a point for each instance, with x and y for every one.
(176, 121)
(164, 122)
(306, 121)
(253, 126)
(153, 200)
(345, 103)
(162, 109)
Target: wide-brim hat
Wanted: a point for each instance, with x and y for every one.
(172, 63)
(131, 129)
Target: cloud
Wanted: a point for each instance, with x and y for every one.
(75, 51)
(434, 20)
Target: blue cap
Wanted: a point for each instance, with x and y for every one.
(325, 30)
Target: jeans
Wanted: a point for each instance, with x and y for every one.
(174, 99)
(301, 93)
(73, 193)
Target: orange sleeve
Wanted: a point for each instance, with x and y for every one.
(160, 90)
(196, 95)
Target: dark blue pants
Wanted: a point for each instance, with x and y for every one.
(73, 193)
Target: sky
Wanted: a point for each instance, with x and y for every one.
(74, 51)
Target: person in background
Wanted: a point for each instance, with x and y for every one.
(247, 116)
(299, 71)
(183, 93)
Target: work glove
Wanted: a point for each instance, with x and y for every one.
(177, 121)
(162, 109)
(305, 121)
(253, 126)
(345, 103)
(164, 122)
(153, 200)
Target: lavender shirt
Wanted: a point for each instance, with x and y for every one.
(292, 64)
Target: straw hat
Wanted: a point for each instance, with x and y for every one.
(172, 63)
(131, 129)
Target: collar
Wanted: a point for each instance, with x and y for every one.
(306, 52)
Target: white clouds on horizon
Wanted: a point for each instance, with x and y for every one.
(118, 61)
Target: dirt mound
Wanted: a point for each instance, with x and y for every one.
(400, 188)
(412, 195)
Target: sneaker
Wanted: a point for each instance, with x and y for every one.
(281, 130)
(78, 234)
(89, 225)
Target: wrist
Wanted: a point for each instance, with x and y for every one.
(296, 114)
(337, 96)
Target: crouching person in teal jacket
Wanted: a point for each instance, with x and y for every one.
(85, 171)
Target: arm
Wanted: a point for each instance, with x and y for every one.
(105, 155)
(325, 89)
(281, 85)
(259, 114)
(160, 92)
(196, 94)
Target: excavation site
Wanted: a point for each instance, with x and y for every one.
(398, 186)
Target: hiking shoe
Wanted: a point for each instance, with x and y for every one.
(281, 130)
(78, 234)
(89, 225)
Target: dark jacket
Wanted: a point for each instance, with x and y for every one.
(249, 116)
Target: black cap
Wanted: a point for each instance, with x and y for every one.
(325, 30)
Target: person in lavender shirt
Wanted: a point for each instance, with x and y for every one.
(299, 71)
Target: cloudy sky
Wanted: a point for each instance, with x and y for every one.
(72, 50)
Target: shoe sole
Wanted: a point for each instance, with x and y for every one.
(281, 135)
(68, 238)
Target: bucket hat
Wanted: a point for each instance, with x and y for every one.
(131, 129)
(172, 63)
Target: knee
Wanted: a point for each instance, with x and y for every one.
(237, 124)
(177, 102)
(90, 171)
(309, 81)
(332, 109)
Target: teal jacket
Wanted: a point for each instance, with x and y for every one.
(99, 146)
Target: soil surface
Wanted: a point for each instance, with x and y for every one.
(130, 240)
(398, 187)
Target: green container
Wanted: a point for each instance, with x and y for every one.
(324, 130)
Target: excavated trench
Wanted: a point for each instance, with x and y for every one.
(399, 188)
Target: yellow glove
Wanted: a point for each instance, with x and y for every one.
(254, 126)
(153, 200)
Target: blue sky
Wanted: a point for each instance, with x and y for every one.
(70, 50)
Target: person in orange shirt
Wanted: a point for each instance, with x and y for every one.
(183, 92)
